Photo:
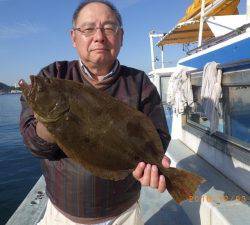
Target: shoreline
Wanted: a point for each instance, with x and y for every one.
(9, 93)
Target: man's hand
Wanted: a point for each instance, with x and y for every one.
(148, 175)
(43, 133)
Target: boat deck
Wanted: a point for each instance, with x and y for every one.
(161, 209)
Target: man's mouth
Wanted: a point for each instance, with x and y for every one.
(100, 49)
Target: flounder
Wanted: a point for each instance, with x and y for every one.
(103, 134)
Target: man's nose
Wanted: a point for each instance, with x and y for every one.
(99, 35)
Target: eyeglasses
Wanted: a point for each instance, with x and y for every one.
(107, 29)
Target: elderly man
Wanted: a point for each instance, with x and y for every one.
(75, 195)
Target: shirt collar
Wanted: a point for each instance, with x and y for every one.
(112, 71)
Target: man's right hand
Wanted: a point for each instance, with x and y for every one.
(43, 133)
(148, 175)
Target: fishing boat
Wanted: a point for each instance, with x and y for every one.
(222, 157)
(222, 36)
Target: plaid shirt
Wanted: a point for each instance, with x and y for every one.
(69, 186)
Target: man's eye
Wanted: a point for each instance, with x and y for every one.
(88, 29)
(109, 27)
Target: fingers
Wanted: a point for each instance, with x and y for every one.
(139, 170)
(162, 184)
(145, 180)
(148, 176)
(154, 178)
(166, 161)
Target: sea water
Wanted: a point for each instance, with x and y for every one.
(19, 170)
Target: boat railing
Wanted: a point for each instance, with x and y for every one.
(238, 65)
(216, 40)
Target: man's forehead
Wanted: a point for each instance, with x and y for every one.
(94, 11)
(96, 6)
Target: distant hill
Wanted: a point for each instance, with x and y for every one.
(4, 88)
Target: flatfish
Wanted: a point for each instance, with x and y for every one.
(103, 134)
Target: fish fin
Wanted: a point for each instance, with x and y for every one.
(181, 184)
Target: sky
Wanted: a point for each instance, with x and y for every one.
(35, 33)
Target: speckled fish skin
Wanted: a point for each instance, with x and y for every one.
(103, 134)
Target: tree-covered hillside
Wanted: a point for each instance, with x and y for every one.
(4, 88)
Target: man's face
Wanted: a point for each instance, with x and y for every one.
(98, 50)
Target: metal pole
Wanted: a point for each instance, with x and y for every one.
(248, 11)
(162, 57)
(209, 8)
(153, 35)
(152, 49)
(201, 23)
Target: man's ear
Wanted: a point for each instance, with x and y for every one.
(73, 37)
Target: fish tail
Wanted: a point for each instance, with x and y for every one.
(181, 184)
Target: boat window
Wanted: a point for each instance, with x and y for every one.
(235, 109)
(198, 116)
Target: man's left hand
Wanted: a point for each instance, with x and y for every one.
(148, 175)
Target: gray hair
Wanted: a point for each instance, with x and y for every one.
(105, 2)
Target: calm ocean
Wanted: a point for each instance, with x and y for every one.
(19, 170)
